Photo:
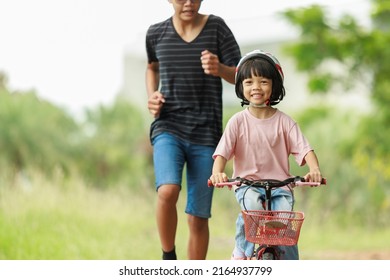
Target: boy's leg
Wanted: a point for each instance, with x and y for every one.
(198, 242)
(168, 160)
(166, 214)
(199, 198)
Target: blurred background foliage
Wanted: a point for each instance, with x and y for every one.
(109, 148)
(361, 153)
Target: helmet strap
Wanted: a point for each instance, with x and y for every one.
(258, 106)
(261, 105)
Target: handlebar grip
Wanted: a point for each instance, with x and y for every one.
(229, 184)
(304, 183)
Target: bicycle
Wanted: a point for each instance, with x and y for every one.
(269, 228)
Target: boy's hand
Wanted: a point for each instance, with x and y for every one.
(155, 103)
(210, 63)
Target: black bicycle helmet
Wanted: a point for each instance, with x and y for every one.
(278, 91)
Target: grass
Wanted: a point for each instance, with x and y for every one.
(57, 222)
(49, 222)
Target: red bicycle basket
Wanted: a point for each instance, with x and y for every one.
(272, 227)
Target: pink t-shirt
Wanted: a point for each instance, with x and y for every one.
(260, 148)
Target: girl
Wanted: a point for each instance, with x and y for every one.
(260, 140)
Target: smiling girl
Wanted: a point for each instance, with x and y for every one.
(260, 140)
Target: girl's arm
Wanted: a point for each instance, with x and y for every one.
(218, 174)
(314, 174)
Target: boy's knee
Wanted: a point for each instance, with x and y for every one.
(168, 193)
(197, 224)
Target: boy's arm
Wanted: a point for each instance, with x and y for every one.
(212, 66)
(155, 98)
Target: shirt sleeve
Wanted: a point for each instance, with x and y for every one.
(228, 49)
(225, 147)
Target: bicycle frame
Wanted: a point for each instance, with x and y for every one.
(278, 218)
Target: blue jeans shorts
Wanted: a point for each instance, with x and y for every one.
(170, 155)
(250, 199)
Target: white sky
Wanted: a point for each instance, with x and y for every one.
(71, 51)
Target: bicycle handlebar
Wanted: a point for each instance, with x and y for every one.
(267, 183)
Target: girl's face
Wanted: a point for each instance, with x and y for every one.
(257, 89)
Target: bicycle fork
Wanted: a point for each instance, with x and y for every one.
(265, 252)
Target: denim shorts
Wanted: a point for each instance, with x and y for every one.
(250, 199)
(170, 155)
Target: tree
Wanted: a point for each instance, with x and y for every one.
(116, 149)
(362, 53)
(34, 134)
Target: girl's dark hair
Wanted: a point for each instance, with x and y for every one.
(260, 65)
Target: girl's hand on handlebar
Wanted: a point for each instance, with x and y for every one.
(218, 178)
(314, 175)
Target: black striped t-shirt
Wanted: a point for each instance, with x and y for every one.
(193, 107)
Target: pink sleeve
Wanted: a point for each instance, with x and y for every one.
(227, 142)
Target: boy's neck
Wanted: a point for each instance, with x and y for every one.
(188, 31)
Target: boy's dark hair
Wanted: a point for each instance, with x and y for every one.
(263, 64)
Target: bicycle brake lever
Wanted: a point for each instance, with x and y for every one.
(298, 179)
